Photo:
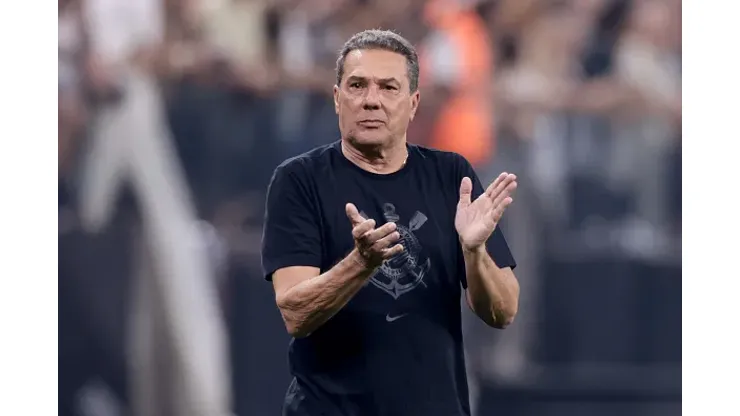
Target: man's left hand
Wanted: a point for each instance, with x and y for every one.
(476, 220)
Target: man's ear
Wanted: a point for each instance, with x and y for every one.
(336, 99)
(415, 98)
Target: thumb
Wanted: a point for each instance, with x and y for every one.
(466, 189)
(353, 215)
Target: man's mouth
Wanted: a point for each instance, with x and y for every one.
(370, 123)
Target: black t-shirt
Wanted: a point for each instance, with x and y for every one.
(396, 348)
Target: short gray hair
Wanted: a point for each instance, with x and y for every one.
(384, 40)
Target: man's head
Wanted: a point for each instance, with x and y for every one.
(376, 95)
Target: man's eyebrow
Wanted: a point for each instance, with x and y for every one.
(380, 80)
(388, 80)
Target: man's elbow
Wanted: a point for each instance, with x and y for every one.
(505, 310)
(501, 316)
(295, 326)
(498, 316)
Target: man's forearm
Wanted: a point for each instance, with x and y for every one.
(309, 304)
(493, 293)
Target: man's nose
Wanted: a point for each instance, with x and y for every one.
(372, 98)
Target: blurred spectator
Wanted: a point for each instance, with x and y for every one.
(308, 39)
(71, 80)
(456, 61)
(151, 359)
(648, 62)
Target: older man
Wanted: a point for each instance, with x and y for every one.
(370, 241)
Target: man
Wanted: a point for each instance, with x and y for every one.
(368, 242)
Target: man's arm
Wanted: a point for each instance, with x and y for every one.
(493, 292)
(492, 289)
(307, 299)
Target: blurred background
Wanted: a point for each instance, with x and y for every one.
(174, 113)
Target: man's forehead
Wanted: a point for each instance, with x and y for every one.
(375, 64)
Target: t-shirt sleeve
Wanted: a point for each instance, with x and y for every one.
(496, 245)
(291, 234)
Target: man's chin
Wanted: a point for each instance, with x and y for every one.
(370, 139)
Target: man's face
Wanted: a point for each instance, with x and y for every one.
(374, 102)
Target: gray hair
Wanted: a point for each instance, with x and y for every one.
(384, 40)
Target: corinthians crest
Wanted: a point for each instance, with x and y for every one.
(404, 272)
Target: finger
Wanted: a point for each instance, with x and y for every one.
(466, 189)
(495, 183)
(506, 192)
(393, 251)
(502, 184)
(386, 241)
(372, 236)
(498, 212)
(353, 214)
(363, 228)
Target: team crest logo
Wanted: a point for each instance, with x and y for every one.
(405, 272)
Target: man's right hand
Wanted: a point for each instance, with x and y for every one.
(307, 299)
(374, 245)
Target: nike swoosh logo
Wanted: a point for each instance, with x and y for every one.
(390, 318)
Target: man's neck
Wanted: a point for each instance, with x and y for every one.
(381, 160)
